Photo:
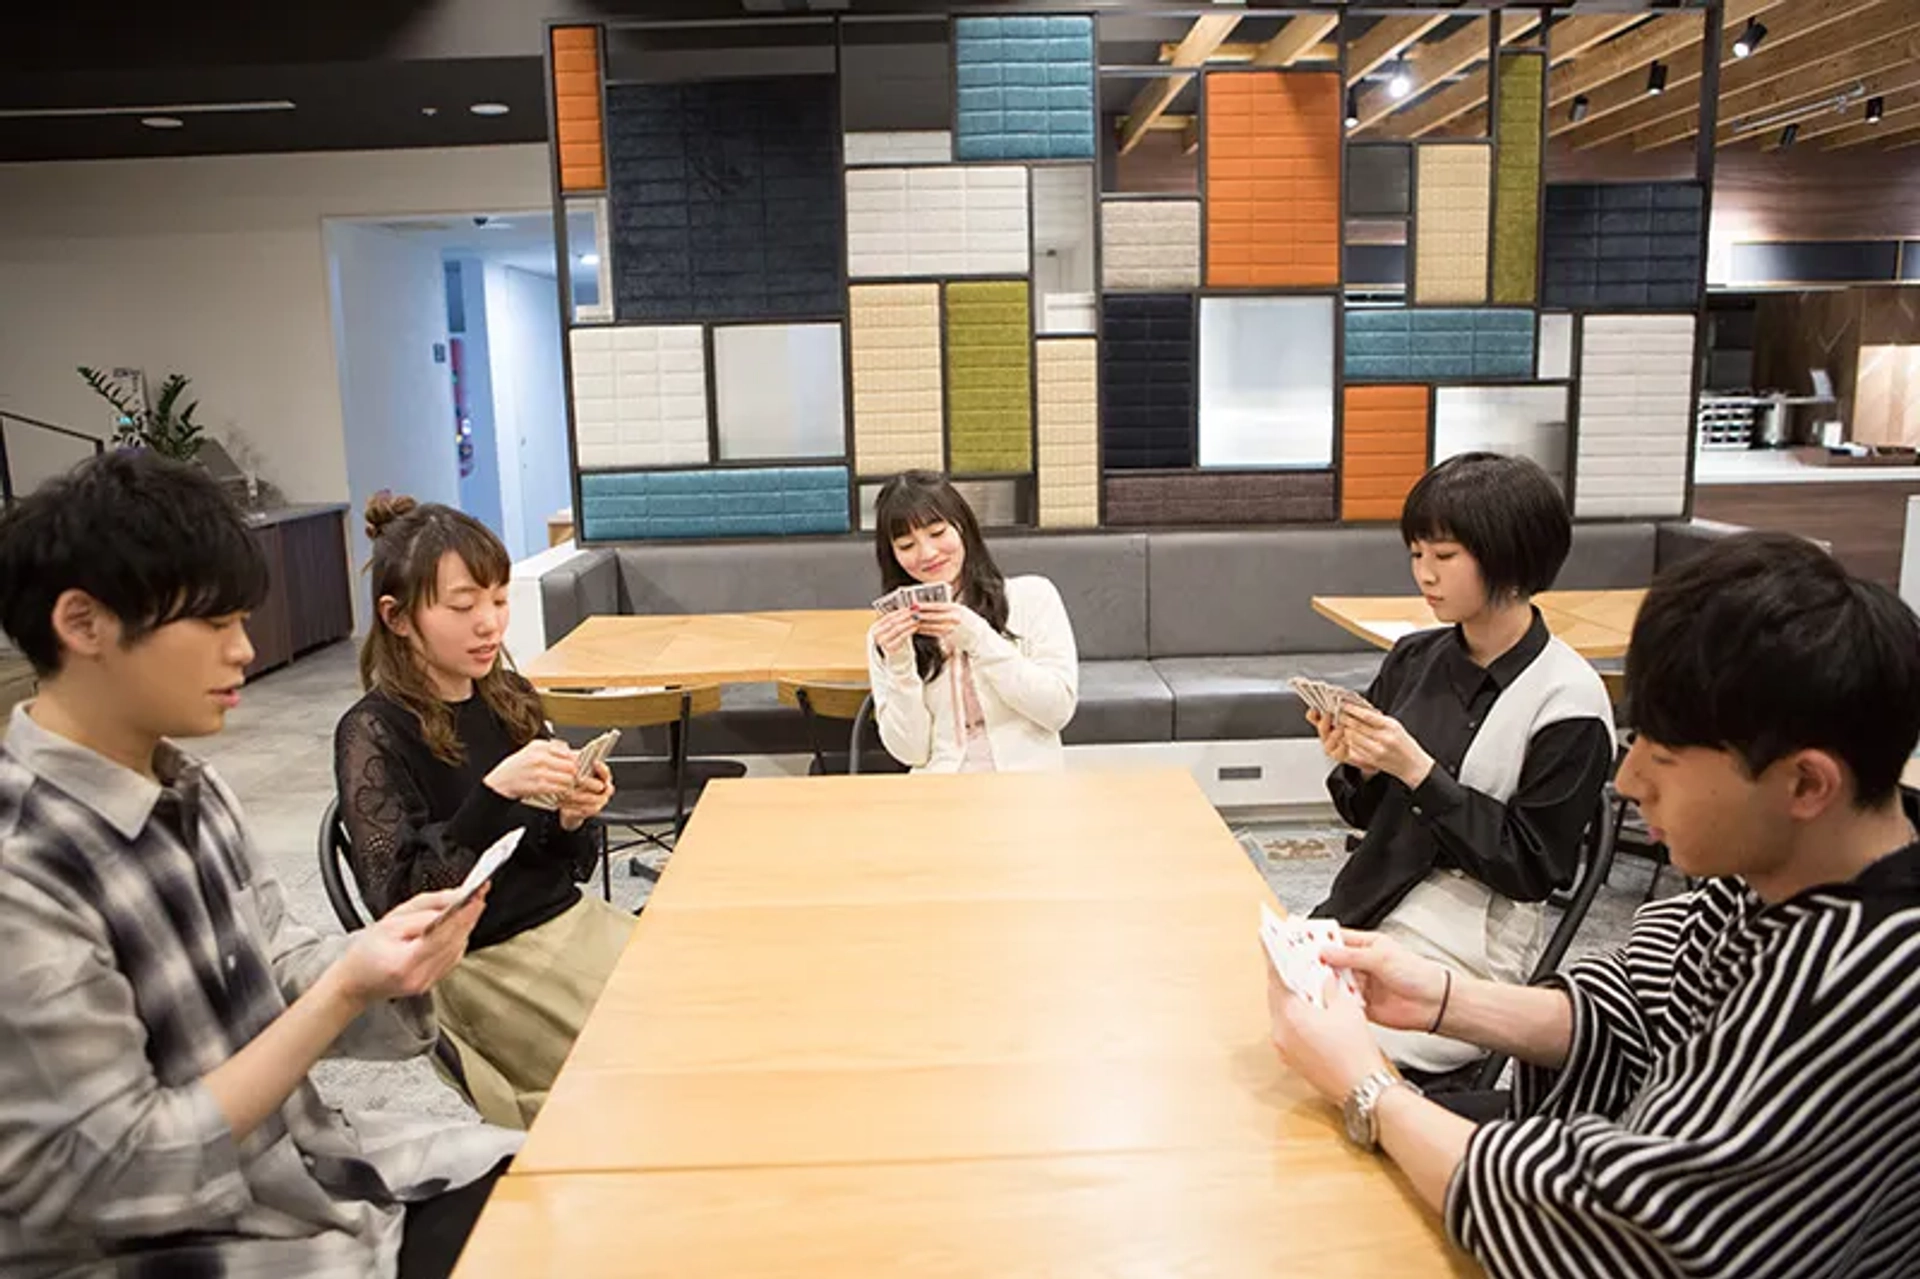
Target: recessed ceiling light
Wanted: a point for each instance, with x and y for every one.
(429, 110)
(162, 121)
(489, 108)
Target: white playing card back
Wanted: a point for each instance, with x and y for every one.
(483, 870)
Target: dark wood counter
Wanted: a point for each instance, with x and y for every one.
(1864, 521)
(309, 600)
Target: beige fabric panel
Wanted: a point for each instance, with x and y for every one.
(1069, 421)
(1451, 224)
(896, 378)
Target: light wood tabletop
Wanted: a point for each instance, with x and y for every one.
(946, 1025)
(828, 646)
(1595, 624)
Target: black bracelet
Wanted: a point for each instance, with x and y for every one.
(1445, 994)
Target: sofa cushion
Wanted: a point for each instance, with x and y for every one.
(1102, 579)
(1250, 592)
(1247, 698)
(1121, 701)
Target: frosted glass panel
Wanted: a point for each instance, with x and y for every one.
(1266, 381)
(1063, 293)
(1556, 346)
(779, 391)
(1519, 421)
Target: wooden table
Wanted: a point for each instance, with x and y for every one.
(1595, 624)
(861, 1030)
(829, 646)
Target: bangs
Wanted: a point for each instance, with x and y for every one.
(224, 574)
(912, 506)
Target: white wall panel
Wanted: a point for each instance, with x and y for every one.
(920, 146)
(1150, 245)
(1636, 410)
(943, 220)
(639, 396)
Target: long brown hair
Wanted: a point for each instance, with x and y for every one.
(915, 499)
(409, 541)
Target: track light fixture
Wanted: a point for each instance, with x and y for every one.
(1353, 109)
(1788, 136)
(1876, 108)
(1749, 40)
(1657, 78)
(1402, 82)
(1581, 105)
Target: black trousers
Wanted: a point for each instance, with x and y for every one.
(437, 1228)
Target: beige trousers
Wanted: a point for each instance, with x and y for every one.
(512, 1010)
(1460, 922)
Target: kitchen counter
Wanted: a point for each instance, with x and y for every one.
(277, 515)
(1780, 466)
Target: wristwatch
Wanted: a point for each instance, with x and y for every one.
(1363, 1126)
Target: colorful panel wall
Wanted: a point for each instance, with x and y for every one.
(1624, 244)
(1273, 178)
(1273, 497)
(989, 378)
(1024, 88)
(726, 202)
(936, 221)
(897, 400)
(579, 136)
(910, 146)
(1067, 381)
(1150, 245)
(1147, 380)
(1394, 345)
(1450, 224)
(639, 396)
(1636, 415)
(737, 502)
(1518, 146)
(1383, 449)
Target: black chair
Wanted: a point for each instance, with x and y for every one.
(824, 702)
(863, 720)
(1596, 864)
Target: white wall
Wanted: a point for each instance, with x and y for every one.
(523, 340)
(213, 266)
(390, 309)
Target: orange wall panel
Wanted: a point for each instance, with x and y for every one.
(1383, 449)
(1273, 178)
(580, 132)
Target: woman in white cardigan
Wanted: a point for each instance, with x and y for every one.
(985, 683)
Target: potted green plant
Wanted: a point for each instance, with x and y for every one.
(162, 426)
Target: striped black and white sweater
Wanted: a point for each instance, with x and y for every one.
(1741, 1098)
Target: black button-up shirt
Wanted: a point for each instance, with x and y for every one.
(1522, 849)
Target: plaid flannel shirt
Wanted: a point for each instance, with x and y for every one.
(141, 947)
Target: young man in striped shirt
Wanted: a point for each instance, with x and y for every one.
(1732, 1091)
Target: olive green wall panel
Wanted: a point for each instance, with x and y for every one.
(989, 381)
(1516, 177)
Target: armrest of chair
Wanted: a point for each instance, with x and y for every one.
(585, 586)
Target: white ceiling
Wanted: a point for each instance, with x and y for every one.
(522, 239)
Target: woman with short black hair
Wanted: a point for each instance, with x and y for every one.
(1480, 758)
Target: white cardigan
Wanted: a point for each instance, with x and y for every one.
(1028, 687)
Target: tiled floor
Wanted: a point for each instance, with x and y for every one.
(277, 755)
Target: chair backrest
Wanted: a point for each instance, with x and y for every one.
(1596, 863)
(828, 701)
(861, 719)
(627, 707)
(335, 844)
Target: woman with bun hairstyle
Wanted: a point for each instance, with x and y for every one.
(435, 763)
(983, 683)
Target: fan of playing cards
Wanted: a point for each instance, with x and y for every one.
(1326, 698)
(590, 754)
(908, 596)
(1293, 945)
(490, 861)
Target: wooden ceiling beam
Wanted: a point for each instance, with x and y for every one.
(1631, 53)
(1902, 112)
(1566, 40)
(1248, 50)
(1886, 52)
(1208, 33)
(1385, 38)
(1296, 39)
(1811, 31)
(1905, 138)
(1434, 64)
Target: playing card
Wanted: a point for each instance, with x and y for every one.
(891, 602)
(490, 861)
(928, 593)
(590, 755)
(1293, 946)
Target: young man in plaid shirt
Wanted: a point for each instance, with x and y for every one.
(162, 1009)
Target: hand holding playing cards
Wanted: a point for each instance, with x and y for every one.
(894, 632)
(541, 767)
(943, 620)
(1331, 1047)
(1403, 990)
(401, 954)
(1377, 741)
(585, 800)
(1333, 736)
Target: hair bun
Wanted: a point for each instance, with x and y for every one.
(383, 508)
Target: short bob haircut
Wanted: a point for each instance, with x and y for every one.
(154, 541)
(1763, 645)
(1506, 511)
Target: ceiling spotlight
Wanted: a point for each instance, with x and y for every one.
(162, 121)
(1353, 109)
(589, 259)
(429, 110)
(1402, 83)
(1581, 105)
(1876, 108)
(489, 108)
(1657, 78)
(1788, 136)
(1749, 40)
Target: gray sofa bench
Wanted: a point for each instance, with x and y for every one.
(1183, 635)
